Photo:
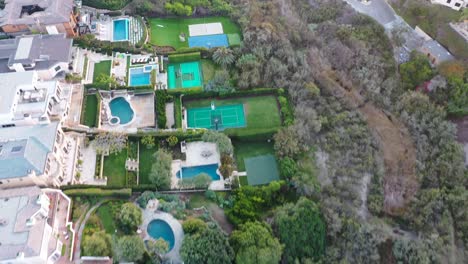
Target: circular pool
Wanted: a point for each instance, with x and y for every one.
(161, 229)
(121, 108)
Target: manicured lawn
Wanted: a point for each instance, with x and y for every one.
(90, 111)
(105, 214)
(114, 168)
(146, 161)
(103, 67)
(261, 112)
(166, 31)
(249, 149)
(208, 69)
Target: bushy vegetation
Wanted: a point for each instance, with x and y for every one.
(106, 4)
(160, 175)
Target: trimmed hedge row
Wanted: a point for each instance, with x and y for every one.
(286, 111)
(248, 134)
(178, 112)
(211, 94)
(99, 192)
(160, 107)
(179, 91)
(183, 57)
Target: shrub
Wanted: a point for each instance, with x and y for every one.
(286, 111)
(193, 225)
(184, 57)
(172, 141)
(97, 192)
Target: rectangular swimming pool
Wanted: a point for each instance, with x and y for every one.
(139, 77)
(121, 29)
(209, 41)
(190, 172)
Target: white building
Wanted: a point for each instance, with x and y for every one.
(49, 55)
(26, 100)
(39, 155)
(454, 4)
(34, 226)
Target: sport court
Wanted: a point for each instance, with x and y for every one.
(208, 35)
(261, 169)
(219, 118)
(184, 75)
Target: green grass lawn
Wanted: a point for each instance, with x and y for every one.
(261, 112)
(208, 68)
(114, 168)
(105, 214)
(434, 20)
(103, 67)
(90, 111)
(166, 31)
(249, 149)
(146, 161)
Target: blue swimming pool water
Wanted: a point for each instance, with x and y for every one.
(161, 229)
(210, 41)
(121, 29)
(138, 77)
(121, 109)
(190, 172)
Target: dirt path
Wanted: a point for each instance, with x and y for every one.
(396, 146)
(218, 214)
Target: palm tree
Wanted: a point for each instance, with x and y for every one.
(223, 56)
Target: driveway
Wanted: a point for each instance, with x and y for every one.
(380, 10)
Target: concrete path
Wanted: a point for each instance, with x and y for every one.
(170, 115)
(77, 256)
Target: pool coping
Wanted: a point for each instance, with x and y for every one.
(112, 116)
(151, 215)
(127, 29)
(140, 67)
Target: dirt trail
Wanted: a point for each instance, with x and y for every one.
(396, 145)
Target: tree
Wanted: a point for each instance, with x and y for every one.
(193, 225)
(178, 9)
(287, 167)
(157, 248)
(458, 97)
(160, 174)
(130, 248)
(148, 141)
(98, 244)
(254, 243)
(416, 71)
(201, 181)
(210, 246)
(224, 56)
(110, 142)
(172, 141)
(222, 141)
(287, 142)
(411, 251)
(301, 229)
(104, 79)
(452, 69)
(130, 217)
(220, 83)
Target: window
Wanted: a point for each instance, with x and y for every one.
(16, 149)
(448, 1)
(457, 4)
(57, 68)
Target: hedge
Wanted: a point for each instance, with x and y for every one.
(185, 91)
(99, 192)
(106, 87)
(248, 134)
(178, 112)
(183, 57)
(287, 113)
(252, 92)
(160, 107)
(180, 134)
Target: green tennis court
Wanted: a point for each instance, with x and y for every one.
(184, 75)
(222, 117)
(261, 170)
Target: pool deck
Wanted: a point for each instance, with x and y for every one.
(150, 214)
(194, 157)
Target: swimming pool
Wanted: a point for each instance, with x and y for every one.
(121, 29)
(121, 108)
(161, 229)
(190, 172)
(140, 76)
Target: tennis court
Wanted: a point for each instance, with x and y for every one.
(184, 75)
(261, 170)
(222, 117)
(210, 41)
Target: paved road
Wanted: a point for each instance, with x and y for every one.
(77, 256)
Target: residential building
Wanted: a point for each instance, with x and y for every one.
(34, 226)
(41, 155)
(26, 100)
(43, 16)
(454, 4)
(49, 55)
